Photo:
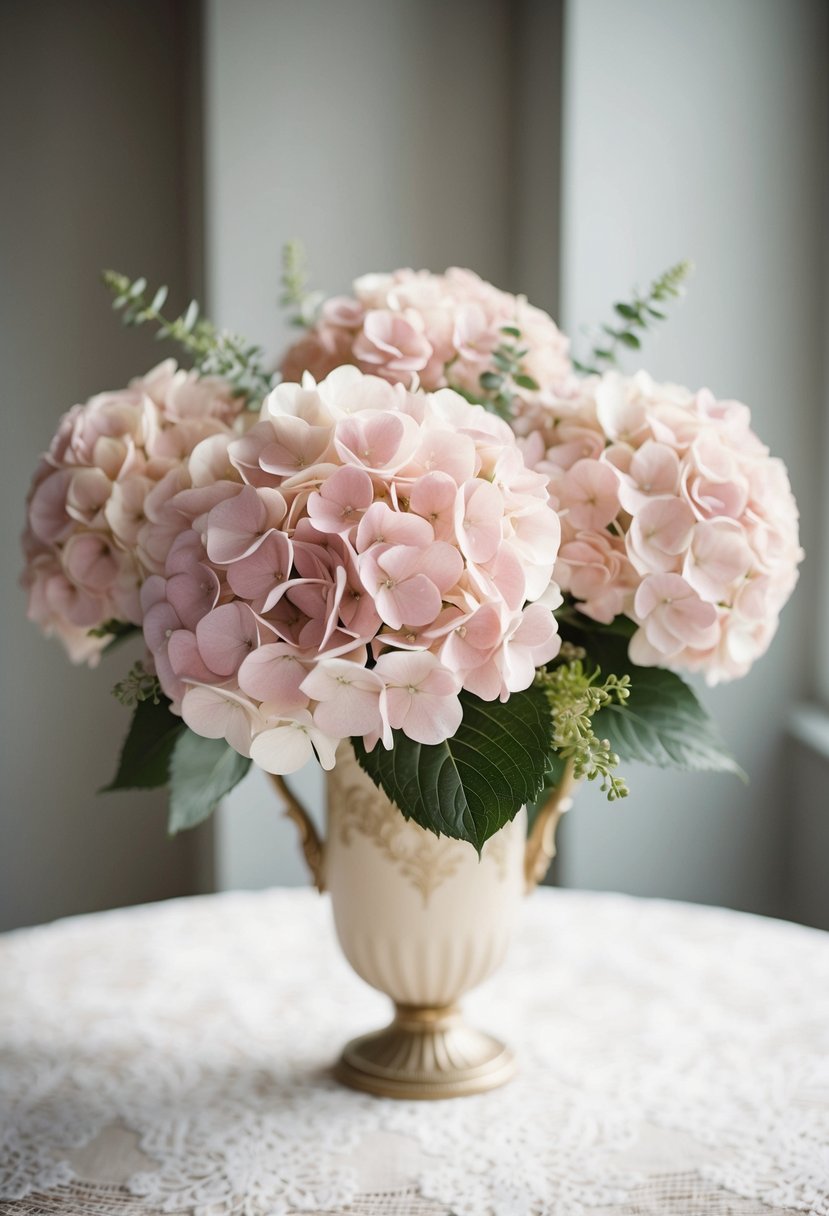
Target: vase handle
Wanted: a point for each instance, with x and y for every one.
(541, 845)
(309, 837)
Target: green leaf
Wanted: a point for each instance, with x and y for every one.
(145, 757)
(491, 380)
(662, 723)
(202, 771)
(629, 311)
(472, 784)
(191, 316)
(620, 626)
(629, 339)
(512, 330)
(527, 382)
(552, 778)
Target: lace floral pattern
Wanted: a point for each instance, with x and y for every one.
(680, 1049)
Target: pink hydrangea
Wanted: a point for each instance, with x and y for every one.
(436, 331)
(673, 513)
(376, 552)
(101, 489)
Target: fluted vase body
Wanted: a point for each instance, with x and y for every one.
(419, 916)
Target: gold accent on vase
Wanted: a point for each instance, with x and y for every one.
(426, 1053)
(422, 860)
(541, 842)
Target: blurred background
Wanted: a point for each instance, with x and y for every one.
(569, 149)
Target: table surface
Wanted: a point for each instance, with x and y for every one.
(175, 1058)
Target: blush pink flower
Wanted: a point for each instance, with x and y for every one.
(589, 495)
(718, 559)
(360, 593)
(673, 619)
(434, 497)
(407, 582)
(274, 673)
(653, 471)
(392, 345)
(350, 700)
(238, 525)
(219, 713)
(443, 329)
(422, 696)
(699, 500)
(595, 570)
(288, 743)
(226, 635)
(381, 443)
(479, 513)
(295, 445)
(321, 350)
(97, 526)
(659, 534)
(341, 500)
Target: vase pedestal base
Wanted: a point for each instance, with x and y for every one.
(425, 1053)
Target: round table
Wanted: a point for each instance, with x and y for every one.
(176, 1058)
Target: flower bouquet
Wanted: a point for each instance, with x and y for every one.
(457, 567)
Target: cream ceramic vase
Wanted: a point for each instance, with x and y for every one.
(421, 918)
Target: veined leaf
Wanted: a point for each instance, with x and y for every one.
(662, 723)
(472, 784)
(202, 771)
(552, 778)
(145, 756)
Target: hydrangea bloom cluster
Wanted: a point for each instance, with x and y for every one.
(673, 513)
(443, 329)
(96, 495)
(372, 552)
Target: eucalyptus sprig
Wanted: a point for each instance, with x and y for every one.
(574, 697)
(214, 352)
(635, 318)
(498, 387)
(303, 304)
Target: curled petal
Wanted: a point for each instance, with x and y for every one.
(289, 743)
(218, 713)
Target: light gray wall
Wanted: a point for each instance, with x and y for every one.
(699, 130)
(95, 168)
(383, 133)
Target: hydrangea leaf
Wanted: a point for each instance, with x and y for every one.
(145, 756)
(662, 723)
(469, 786)
(202, 771)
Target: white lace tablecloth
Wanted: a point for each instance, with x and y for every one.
(175, 1058)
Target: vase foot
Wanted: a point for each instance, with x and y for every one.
(426, 1054)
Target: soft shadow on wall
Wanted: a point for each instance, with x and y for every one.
(98, 141)
(700, 130)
